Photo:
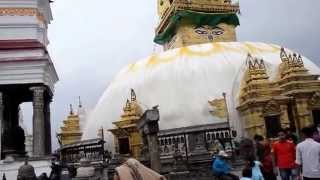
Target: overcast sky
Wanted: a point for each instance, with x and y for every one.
(91, 40)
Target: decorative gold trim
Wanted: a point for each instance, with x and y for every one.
(218, 108)
(272, 108)
(314, 101)
(22, 12)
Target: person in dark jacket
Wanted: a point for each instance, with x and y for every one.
(259, 147)
(268, 166)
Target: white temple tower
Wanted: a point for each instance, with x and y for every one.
(27, 73)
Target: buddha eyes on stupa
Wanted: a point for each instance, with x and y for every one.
(210, 32)
(199, 31)
(217, 31)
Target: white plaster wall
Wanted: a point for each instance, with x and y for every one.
(25, 27)
(28, 72)
(21, 53)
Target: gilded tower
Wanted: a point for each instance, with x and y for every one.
(187, 22)
(126, 133)
(291, 100)
(70, 131)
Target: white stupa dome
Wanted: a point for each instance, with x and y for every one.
(182, 80)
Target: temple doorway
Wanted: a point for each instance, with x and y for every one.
(124, 147)
(272, 125)
(316, 116)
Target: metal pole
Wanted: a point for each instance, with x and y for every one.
(228, 119)
(186, 149)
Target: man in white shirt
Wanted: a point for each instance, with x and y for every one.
(308, 155)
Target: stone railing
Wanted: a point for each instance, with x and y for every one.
(91, 150)
(188, 141)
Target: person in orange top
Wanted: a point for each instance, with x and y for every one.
(284, 154)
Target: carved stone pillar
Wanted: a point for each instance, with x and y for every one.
(1, 121)
(303, 113)
(149, 126)
(48, 127)
(38, 121)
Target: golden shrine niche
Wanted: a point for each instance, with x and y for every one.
(70, 131)
(127, 137)
(292, 100)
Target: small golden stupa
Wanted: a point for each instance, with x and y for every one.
(126, 133)
(70, 131)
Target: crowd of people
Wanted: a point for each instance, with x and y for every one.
(287, 156)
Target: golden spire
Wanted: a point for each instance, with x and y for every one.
(70, 131)
(256, 69)
(133, 95)
(71, 109)
(80, 104)
(291, 63)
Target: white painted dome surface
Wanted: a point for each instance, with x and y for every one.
(181, 81)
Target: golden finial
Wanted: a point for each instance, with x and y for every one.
(255, 63)
(249, 61)
(80, 104)
(283, 55)
(300, 61)
(71, 109)
(133, 95)
(262, 65)
(128, 106)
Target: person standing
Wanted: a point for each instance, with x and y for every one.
(221, 168)
(259, 147)
(268, 163)
(316, 134)
(308, 155)
(291, 136)
(284, 153)
(255, 167)
(246, 174)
